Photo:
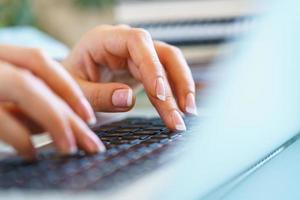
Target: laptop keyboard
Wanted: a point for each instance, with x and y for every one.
(134, 147)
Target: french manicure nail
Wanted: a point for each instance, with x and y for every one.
(101, 147)
(191, 107)
(65, 150)
(99, 143)
(73, 150)
(67, 146)
(94, 145)
(91, 118)
(122, 98)
(178, 121)
(160, 89)
(92, 121)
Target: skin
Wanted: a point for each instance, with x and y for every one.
(122, 48)
(36, 92)
(36, 88)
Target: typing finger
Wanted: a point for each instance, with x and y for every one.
(85, 138)
(53, 74)
(169, 111)
(39, 103)
(17, 113)
(179, 75)
(16, 135)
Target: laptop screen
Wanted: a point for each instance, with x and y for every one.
(255, 108)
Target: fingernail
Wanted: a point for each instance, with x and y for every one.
(178, 121)
(160, 89)
(101, 147)
(73, 150)
(67, 146)
(68, 149)
(99, 144)
(191, 107)
(122, 98)
(88, 111)
(94, 145)
(92, 121)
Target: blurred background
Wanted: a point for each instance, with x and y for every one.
(205, 30)
(66, 20)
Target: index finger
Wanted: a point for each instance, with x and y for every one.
(53, 74)
(137, 45)
(144, 56)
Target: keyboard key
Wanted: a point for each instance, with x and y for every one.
(146, 132)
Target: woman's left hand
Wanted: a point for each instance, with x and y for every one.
(161, 68)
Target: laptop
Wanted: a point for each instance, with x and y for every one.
(253, 117)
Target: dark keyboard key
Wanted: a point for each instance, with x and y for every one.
(106, 128)
(159, 137)
(133, 137)
(155, 146)
(112, 151)
(107, 139)
(115, 134)
(124, 146)
(134, 126)
(121, 161)
(153, 128)
(126, 130)
(146, 132)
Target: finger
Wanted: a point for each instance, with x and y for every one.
(14, 134)
(179, 75)
(143, 54)
(169, 111)
(53, 74)
(134, 44)
(108, 97)
(18, 114)
(38, 102)
(85, 138)
(133, 68)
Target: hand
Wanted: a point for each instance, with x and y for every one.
(161, 68)
(32, 83)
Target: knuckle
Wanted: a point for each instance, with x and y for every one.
(173, 50)
(141, 34)
(38, 55)
(23, 77)
(103, 26)
(155, 60)
(123, 26)
(57, 115)
(15, 77)
(24, 80)
(169, 98)
(98, 29)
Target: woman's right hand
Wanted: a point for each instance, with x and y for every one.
(42, 89)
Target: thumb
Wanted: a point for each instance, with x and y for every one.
(108, 97)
